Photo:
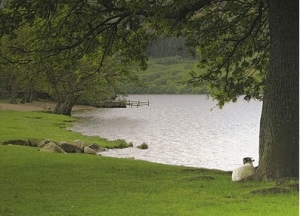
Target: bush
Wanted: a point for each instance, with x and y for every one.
(143, 146)
(120, 143)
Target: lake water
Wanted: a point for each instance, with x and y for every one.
(186, 130)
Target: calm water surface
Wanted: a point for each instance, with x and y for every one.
(183, 130)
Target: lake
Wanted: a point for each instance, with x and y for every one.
(186, 130)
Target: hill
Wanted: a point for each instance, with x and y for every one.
(166, 75)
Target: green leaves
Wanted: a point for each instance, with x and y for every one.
(231, 38)
(232, 41)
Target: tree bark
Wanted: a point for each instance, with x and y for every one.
(279, 126)
(14, 94)
(64, 108)
(28, 97)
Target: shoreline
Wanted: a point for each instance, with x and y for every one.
(41, 106)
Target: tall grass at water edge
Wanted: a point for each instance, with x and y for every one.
(41, 183)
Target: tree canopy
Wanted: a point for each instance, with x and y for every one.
(231, 37)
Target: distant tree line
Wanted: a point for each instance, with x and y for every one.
(169, 67)
(166, 75)
(166, 47)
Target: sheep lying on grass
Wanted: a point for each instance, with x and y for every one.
(243, 172)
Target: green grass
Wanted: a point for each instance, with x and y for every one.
(41, 183)
(40, 125)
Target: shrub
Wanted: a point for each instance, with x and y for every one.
(143, 146)
(123, 144)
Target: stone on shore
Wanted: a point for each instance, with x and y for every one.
(70, 147)
(88, 150)
(52, 147)
(97, 148)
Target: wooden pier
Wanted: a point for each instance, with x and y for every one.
(120, 103)
(132, 103)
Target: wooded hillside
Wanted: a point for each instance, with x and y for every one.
(169, 67)
(166, 75)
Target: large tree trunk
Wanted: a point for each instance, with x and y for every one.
(279, 126)
(64, 107)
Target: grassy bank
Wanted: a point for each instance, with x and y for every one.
(41, 125)
(40, 183)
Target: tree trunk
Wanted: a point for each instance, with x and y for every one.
(64, 108)
(25, 98)
(14, 94)
(28, 96)
(279, 126)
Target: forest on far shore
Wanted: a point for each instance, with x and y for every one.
(169, 66)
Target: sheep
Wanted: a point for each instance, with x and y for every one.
(245, 171)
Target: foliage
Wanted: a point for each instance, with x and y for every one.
(64, 54)
(120, 143)
(167, 75)
(143, 146)
(233, 59)
(234, 48)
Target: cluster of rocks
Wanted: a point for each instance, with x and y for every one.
(77, 146)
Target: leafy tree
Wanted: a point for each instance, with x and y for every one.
(251, 48)
(247, 47)
(13, 70)
(74, 71)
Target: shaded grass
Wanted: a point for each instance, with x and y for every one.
(40, 183)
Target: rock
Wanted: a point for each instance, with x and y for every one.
(42, 143)
(97, 148)
(33, 143)
(16, 142)
(80, 144)
(88, 150)
(52, 147)
(69, 147)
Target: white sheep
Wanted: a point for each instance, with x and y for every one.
(245, 171)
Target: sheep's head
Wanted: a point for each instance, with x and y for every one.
(247, 159)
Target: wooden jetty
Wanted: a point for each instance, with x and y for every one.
(132, 103)
(120, 103)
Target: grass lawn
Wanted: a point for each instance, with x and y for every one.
(41, 125)
(41, 183)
